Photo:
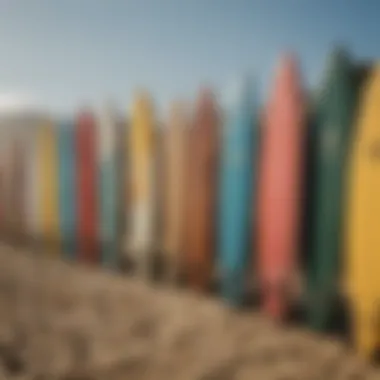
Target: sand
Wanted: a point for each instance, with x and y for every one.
(61, 321)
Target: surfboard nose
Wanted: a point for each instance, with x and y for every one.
(288, 72)
(338, 55)
(371, 90)
(85, 117)
(143, 104)
(177, 113)
(238, 94)
(287, 91)
(206, 99)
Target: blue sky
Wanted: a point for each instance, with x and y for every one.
(66, 53)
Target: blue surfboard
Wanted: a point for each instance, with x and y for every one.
(237, 174)
(107, 140)
(67, 208)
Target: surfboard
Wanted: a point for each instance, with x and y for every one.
(3, 177)
(201, 192)
(20, 177)
(7, 175)
(362, 265)
(86, 188)
(335, 110)
(12, 195)
(107, 185)
(15, 189)
(142, 198)
(123, 189)
(49, 198)
(280, 189)
(67, 201)
(159, 204)
(237, 173)
(33, 186)
(2, 197)
(174, 189)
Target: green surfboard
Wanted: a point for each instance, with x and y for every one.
(332, 128)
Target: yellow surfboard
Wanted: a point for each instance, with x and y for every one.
(141, 165)
(362, 265)
(49, 200)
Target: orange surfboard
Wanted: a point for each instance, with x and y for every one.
(201, 192)
(280, 189)
(174, 180)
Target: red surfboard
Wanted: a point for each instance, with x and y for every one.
(201, 192)
(87, 213)
(280, 189)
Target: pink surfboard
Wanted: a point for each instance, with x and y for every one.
(280, 200)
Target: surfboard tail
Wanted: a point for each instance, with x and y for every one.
(199, 276)
(274, 305)
(319, 315)
(109, 254)
(69, 248)
(232, 289)
(365, 331)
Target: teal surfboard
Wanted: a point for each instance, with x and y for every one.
(108, 186)
(237, 188)
(67, 209)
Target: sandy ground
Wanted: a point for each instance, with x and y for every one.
(63, 322)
